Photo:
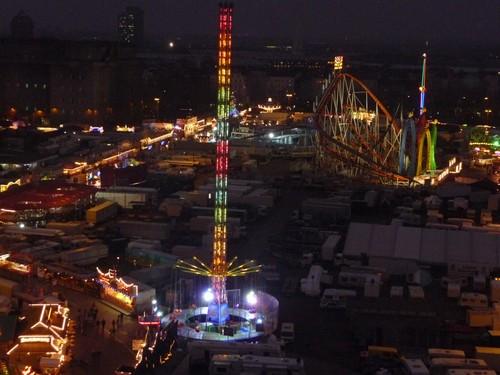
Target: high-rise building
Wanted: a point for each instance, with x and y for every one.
(21, 26)
(131, 26)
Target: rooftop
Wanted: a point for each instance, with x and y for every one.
(428, 245)
(45, 195)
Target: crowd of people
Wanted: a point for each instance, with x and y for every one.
(88, 319)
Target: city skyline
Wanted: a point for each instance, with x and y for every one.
(359, 21)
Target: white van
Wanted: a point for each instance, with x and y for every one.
(336, 298)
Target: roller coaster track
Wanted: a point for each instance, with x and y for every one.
(357, 135)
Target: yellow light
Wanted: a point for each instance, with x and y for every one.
(125, 129)
(45, 129)
(219, 268)
(12, 349)
(5, 187)
(338, 63)
(34, 338)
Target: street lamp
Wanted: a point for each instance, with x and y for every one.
(488, 113)
(208, 297)
(157, 101)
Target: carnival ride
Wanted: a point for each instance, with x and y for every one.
(415, 160)
(218, 312)
(357, 135)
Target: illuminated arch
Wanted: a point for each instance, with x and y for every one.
(424, 138)
(430, 137)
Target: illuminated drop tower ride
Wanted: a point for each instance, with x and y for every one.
(425, 133)
(419, 137)
(220, 269)
(219, 265)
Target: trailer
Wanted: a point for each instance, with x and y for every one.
(201, 352)
(490, 355)
(473, 300)
(232, 364)
(358, 277)
(84, 255)
(329, 247)
(287, 332)
(311, 285)
(440, 366)
(445, 353)
(336, 298)
(415, 367)
(480, 317)
(102, 212)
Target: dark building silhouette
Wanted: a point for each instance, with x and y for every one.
(131, 26)
(21, 26)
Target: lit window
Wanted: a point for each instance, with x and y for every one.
(27, 85)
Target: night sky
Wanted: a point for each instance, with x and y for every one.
(455, 22)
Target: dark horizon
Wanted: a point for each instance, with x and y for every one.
(449, 23)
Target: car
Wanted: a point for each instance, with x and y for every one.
(124, 370)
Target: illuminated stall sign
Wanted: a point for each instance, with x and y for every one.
(49, 331)
(13, 264)
(116, 290)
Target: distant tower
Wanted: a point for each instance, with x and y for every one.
(298, 37)
(21, 26)
(222, 138)
(131, 26)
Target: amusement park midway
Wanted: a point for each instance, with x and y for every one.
(230, 204)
